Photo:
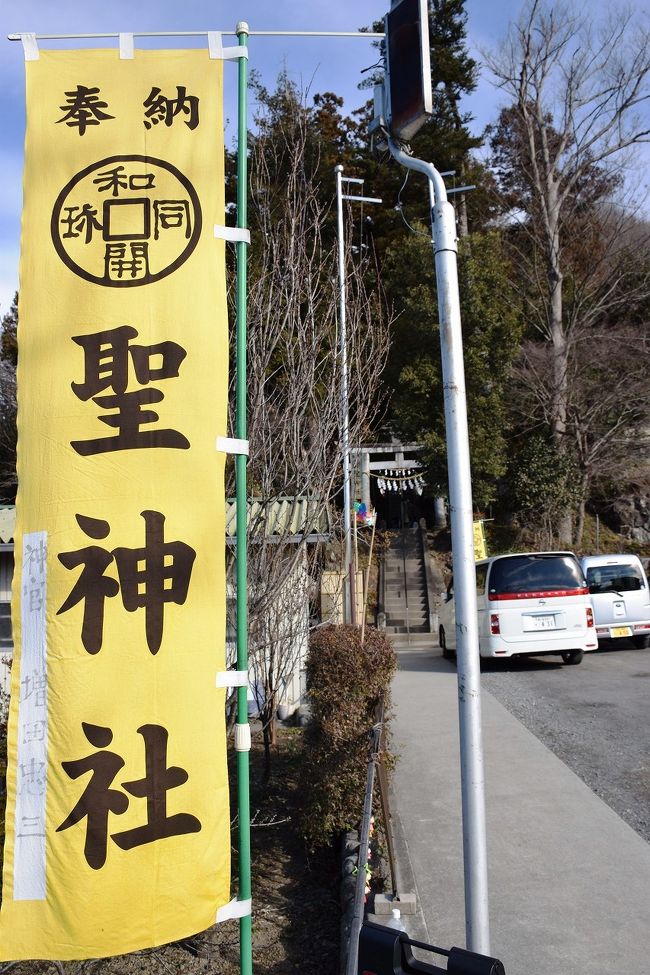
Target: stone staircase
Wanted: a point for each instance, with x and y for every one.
(405, 601)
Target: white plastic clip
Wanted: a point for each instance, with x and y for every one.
(30, 47)
(230, 445)
(232, 678)
(242, 737)
(126, 47)
(232, 234)
(217, 50)
(215, 44)
(234, 909)
(231, 53)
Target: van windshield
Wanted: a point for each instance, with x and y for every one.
(614, 578)
(522, 576)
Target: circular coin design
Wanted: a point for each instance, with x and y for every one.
(126, 221)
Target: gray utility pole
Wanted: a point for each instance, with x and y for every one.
(477, 924)
(402, 105)
(350, 614)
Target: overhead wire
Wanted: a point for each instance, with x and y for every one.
(400, 209)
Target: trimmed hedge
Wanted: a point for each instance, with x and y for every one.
(346, 681)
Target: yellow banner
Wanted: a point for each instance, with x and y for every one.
(480, 547)
(117, 827)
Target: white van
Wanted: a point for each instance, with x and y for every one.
(620, 597)
(528, 603)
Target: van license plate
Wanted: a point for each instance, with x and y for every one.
(546, 622)
(620, 631)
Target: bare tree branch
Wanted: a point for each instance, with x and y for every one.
(579, 96)
(294, 389)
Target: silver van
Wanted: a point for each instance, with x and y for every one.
(620, 596)
(528, 603)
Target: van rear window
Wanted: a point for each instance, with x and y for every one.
(614, 578)
(528, 576)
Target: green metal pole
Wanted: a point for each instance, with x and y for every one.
(243, 756)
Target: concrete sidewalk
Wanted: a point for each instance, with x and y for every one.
(569, 881)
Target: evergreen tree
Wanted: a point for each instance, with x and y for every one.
(9, 334)
(491, 333)
(402, 239)
(559, 149)
(445, 140)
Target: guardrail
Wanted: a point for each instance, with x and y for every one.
(431, 592)
(377, 949)
(364, 838)
(375, 767)
(381, 592)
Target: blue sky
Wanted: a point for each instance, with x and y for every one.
(323, 64)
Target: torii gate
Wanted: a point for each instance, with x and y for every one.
(397, 468)
(397, 465)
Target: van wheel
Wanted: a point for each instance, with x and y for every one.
(641, 642)
(447, 654)
(572, 656)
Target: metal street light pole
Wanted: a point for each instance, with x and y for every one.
(403, 102)
(350, 613)
(472, 769)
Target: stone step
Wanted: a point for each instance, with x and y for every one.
(413, 641)
(405, 599)
(412, 621)
(403, 620)
(401, 595)
(408, 584)
(403, 629)
(423, 638)
(403, 611)
(413, 596)
(410, 564)
(399, 566)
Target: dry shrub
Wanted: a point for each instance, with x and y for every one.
(347, 680)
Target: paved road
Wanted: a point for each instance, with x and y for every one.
(569, 879)
(595, 717)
